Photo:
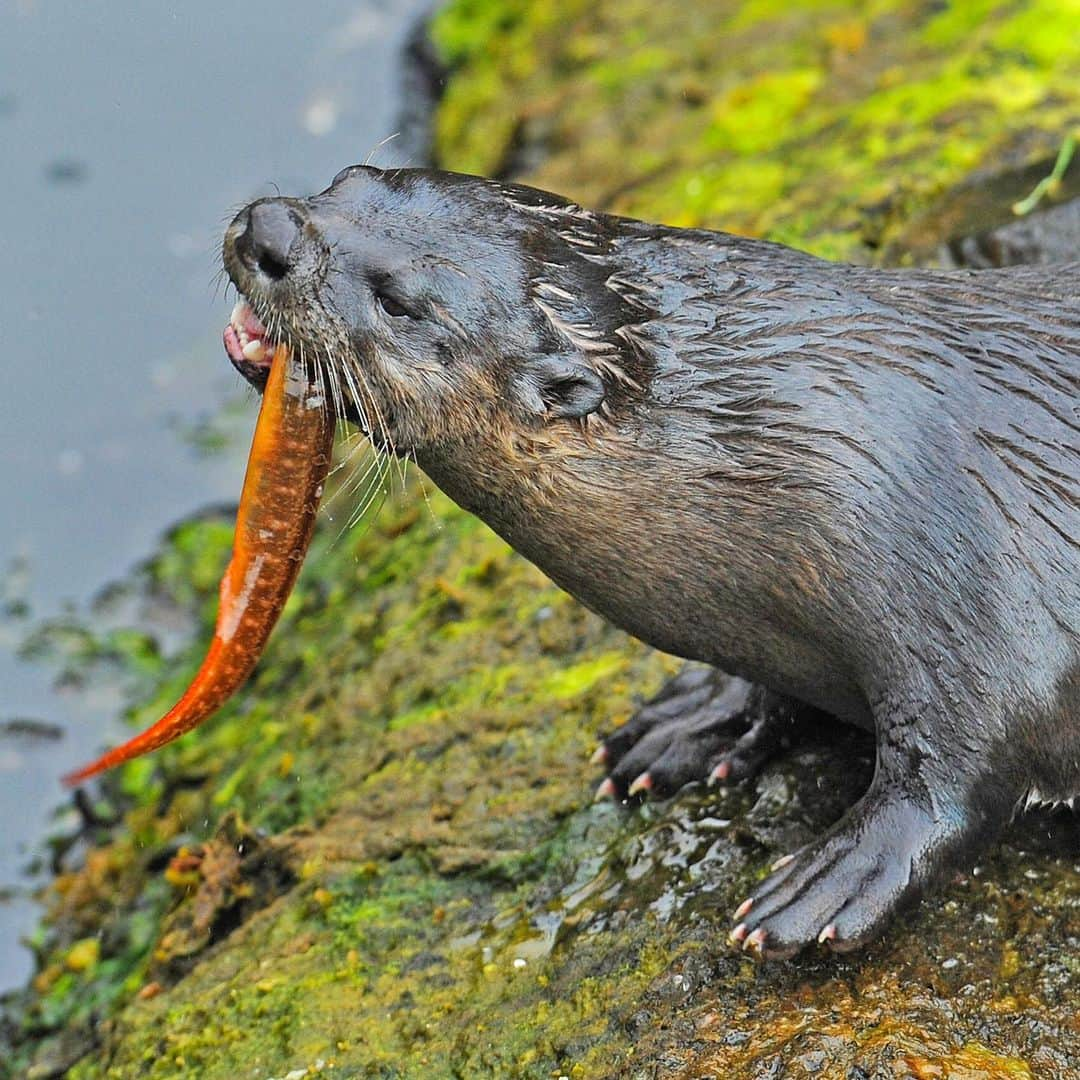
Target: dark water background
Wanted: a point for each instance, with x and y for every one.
(128, 130)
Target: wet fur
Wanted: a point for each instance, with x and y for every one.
(857, 487)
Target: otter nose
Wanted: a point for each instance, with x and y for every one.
(268, 236)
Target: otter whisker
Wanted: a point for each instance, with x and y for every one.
(352, 445)
(358, 399)
(362, 474)
(374, 497)
(216, 281)
(335, 391)
(382, 460)
(334, 369)
(365, 469)
(342, 371)
(369, 475)
(320, 378)
(384, 432)
(380, 465)
(366, 474)
(378, 146)
(424, 491)
(231, 213)
(401, 407)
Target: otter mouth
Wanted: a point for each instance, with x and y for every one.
(248, 343)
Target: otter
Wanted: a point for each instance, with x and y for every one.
(846, 490)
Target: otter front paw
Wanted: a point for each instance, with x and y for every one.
(703, 724)
(841, 890)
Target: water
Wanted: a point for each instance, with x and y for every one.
(128, 130)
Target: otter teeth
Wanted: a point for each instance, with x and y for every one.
(253, 350)
(246, 337)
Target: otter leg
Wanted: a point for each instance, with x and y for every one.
(920, 815)
(702, 724)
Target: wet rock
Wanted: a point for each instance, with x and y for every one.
(225, 880)
(58, 1053)
(975, 223)
(1051, 236)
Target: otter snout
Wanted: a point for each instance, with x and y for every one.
(274, 255)
(266, 237)
(268, 256)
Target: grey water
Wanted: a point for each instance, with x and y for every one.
(128, 131)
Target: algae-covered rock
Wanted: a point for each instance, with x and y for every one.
(832, 125)
(382, 858)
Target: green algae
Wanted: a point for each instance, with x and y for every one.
(318, 736)
(381, 859)
(785, 121)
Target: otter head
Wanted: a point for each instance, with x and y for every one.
(434, 305)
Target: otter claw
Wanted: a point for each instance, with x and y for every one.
(828, 933)
(642, 783)
(744, 907)
(782, 862)
(606, 790)
(599, 755)
(738, 935)
(755, 943)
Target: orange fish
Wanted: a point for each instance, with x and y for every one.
(287, 467)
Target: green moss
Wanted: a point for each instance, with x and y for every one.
(746, 119)
(190, 565)
(755, 116)
(571, 682)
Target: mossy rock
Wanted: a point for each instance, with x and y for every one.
(832, 125)
(382, 859)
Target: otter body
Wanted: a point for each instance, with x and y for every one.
(854, 490)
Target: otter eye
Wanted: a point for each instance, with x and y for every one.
(391, 306)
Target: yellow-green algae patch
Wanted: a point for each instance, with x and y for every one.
(381, 859)
(826, 124)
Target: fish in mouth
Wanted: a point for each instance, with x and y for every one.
(287, 468)
(355, 315)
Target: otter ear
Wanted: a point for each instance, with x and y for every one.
(560, 386)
